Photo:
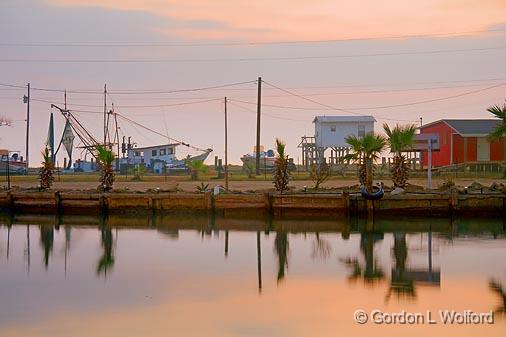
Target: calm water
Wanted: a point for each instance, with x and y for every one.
(192, 276)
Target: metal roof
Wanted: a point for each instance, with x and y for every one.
(341, 119)
(470, 127)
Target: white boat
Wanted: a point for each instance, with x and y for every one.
(267, 158)
(13, 161)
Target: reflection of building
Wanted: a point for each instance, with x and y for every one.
(403, 279)
(464, 141)
(330, 133)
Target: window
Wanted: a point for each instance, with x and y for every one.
(137, 153)
(361, 130)
(163, 152)
(153, 153)
(332, 128)
(170, 150)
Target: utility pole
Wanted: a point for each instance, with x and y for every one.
(105, 112)
(259, 110)
(421, 122)
(116, 137)
(226, 146)
(26, 99)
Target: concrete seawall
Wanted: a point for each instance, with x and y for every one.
(279, 205)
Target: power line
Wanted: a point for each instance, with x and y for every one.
(246, 59)
(221, 44)
(159, 133)
(131, 91)
(371, 107)
(136, 106)
(268, 115)
(229, 87)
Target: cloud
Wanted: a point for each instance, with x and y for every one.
(312, 19)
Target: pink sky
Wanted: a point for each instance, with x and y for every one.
(344, 82)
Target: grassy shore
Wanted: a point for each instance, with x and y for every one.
(238, 182)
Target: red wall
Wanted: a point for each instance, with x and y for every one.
(442, 157)
(497, 150)
(458, 149)
(472, 149)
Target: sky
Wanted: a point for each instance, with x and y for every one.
(396, 60)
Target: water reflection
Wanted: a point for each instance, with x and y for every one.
(371, 271)
(173, 269)
(107, 259)
(498, 289)
(401, 284)
(281, 250)
(46, 241)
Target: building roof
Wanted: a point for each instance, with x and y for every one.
(155, 146)
(341, 119)
(470, 127)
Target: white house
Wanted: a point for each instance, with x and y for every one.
(154, 157)
(331, 131)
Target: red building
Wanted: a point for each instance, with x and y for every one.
(464, 141)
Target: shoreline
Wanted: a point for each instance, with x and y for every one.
(307, 205)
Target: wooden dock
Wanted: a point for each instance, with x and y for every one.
(278, 205)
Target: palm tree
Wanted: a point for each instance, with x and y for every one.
(196, 167)
(497, 288)
(281, 172)
(365, 150)
(500, 131)
(107, 259)
(401, 284)
(47, 240)
(400, 138)
(281, 248)
(370, 272)
(105, 158)
(46, 171)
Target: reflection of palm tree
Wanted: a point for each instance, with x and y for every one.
(107, 259)
(497, 288)
(281, 249)
(371, 272)
(47, 240)
(321, 248)
(400, 284)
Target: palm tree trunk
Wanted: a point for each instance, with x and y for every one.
(369, 174)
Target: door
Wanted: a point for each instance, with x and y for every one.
(483, 149)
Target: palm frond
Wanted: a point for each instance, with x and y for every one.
(400, 138)
(280, 148)
(499, 112)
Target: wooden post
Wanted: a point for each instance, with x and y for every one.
(226, 147)
(259, 109)
(346, 203)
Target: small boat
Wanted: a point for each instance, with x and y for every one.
(267, 159)
(377, 193)
(14, 161)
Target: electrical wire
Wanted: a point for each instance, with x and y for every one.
(133, 106)
(129, 92)
(387, 106)
(247, 59)
(251, 43)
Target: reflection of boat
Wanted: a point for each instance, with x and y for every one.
(16, 163)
